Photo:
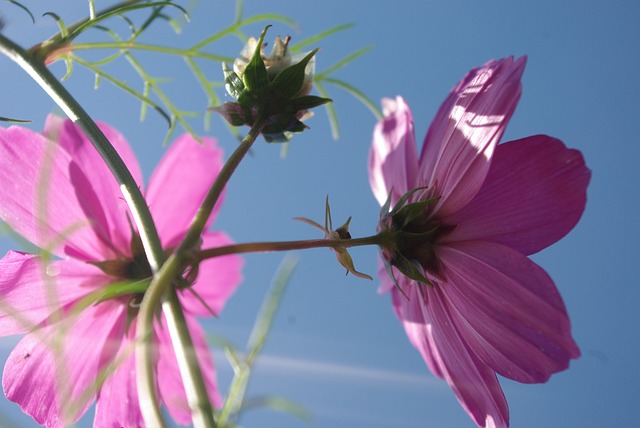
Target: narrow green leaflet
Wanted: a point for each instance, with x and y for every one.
(236, 403)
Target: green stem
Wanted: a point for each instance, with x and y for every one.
(76, 113)
(129, 188)
(199, 222)
(131, 45)
(161, 292)
(259, 247)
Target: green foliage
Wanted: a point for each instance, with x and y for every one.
(11, 120)
(242, 363)
(150, 91)
(341, 233)
(23, 7)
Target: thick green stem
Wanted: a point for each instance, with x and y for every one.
(160, 290)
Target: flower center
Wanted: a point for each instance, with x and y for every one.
(134, 268)
(133, 275)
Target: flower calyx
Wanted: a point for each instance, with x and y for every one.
(409, 236)
(341, 233)
(274, 88)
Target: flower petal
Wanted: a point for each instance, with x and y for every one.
(179, 184)
(27, 298)
(56, 390)
(73, 140)
(534, 194)
(474, 383)
(393, 159)
(38, 199)
(97, 189)
(217, 280)
(459, 145)
(409, 311)
(169, 380)
(117, 403)
(508, 310)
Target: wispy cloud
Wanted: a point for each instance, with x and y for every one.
(332, 371)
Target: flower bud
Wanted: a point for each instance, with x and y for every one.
(271, 88)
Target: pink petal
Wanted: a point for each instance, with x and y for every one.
(393, 159)
(26, 299)
(409, 312)
(57, 391)
(459, 145)
(179, 184)
(474, 384)
(534, 194)
(508, 310)
(169, 380)
(97, 189)
(73, 140)
(38, 199)
(117, 402)
(217, 280)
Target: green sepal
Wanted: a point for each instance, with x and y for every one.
(408, 269)
(308, 102)
(404, 198)
(116, 268)
(410, 237)
(122, 288)
(247, 99)
(288, 83)
(410, 212)
(280, 128)
(276, 137)
(384, 210)
(389, 270)
(256, 78)
(233, 113)
(343, 231)
(232, 83)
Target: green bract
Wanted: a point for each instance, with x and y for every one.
(412, 235)
(342, 233)
(274, 88)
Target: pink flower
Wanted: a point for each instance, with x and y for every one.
(57, 192)
(483, 308)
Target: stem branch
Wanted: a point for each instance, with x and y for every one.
(258, 247)
(160, 291)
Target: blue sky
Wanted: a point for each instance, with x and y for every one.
(336, 347)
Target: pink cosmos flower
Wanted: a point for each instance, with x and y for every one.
(56, 191)
(477, 306)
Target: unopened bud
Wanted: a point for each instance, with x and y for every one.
(273, 88)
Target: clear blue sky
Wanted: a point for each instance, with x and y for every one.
(336, 347)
